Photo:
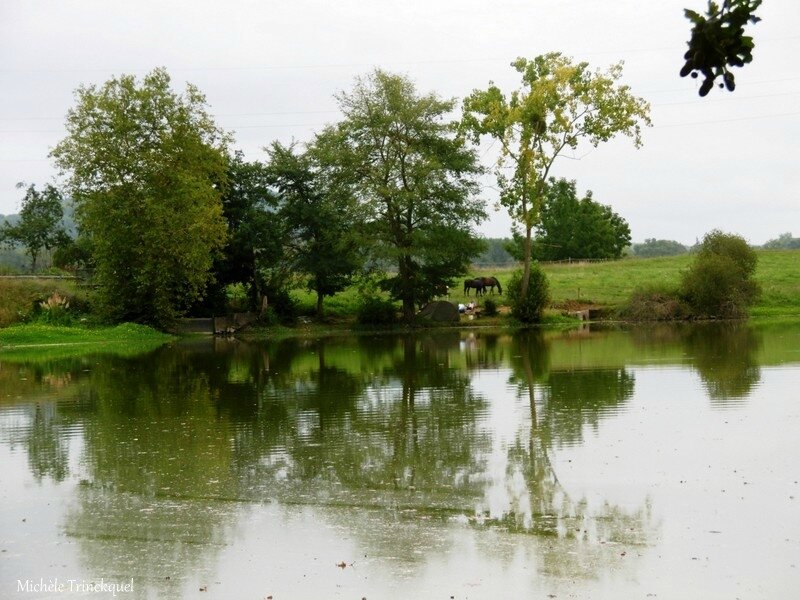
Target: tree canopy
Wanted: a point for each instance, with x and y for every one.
(255, 235)
(572, 227)
(652, 247)
(320, 221)
(559, 105)
(146, 169)
(413, 178)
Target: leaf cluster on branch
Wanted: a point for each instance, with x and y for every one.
(718, 42)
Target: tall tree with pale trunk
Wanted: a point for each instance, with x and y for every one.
(559, 105)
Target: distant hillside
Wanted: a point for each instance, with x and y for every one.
(10, 219)
(495, 254)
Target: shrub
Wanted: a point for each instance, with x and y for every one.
(283, 305)
(655, 303)
(374, 310)
(489, 307)
(54, 310)
(530, 308)
(720, 281)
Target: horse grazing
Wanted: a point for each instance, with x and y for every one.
(476, 283)
(491, 282)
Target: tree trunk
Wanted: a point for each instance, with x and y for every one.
(526, 262)
(319, 303)
(406, 275)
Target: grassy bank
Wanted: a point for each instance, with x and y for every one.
(39, 335)
(607, 284)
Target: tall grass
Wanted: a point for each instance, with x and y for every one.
(18, 297)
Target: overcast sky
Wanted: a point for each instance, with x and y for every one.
(269, 71)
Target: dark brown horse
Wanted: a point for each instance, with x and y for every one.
(476, 284)
(491, 282)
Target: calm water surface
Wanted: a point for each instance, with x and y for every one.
(653, 463)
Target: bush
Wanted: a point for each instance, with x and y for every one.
(374, 310)
(489, 307)
(655, 303)
(54, 310)
(720, 281)
(530, 308)
(283, 305)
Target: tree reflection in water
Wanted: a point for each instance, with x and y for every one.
(392, 425)
(726, 358)
(561, 404)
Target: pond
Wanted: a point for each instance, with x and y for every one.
(656, 462)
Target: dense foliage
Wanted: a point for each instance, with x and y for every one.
(320, 220)
(413, 179)
(376, 311)
(147, 168)
(255, 237)
(570, 227)
(529, 308)
(720, 281)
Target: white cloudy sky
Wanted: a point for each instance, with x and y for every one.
(269, 70)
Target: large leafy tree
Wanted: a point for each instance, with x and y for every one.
(559, 105)
(320, 220)
(39, 225)
(147, 168)
(413, 178)
(256, 235)
(572, 227)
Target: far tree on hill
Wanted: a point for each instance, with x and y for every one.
(413, 179)
(652, 247)
(784, 241)
(570, 227)
(496, 254)
(559, 105)
(39, 225)
(147, 168)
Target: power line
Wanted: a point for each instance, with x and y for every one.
(791, 114)
(266, 67)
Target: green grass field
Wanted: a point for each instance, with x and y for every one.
(610, 284)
